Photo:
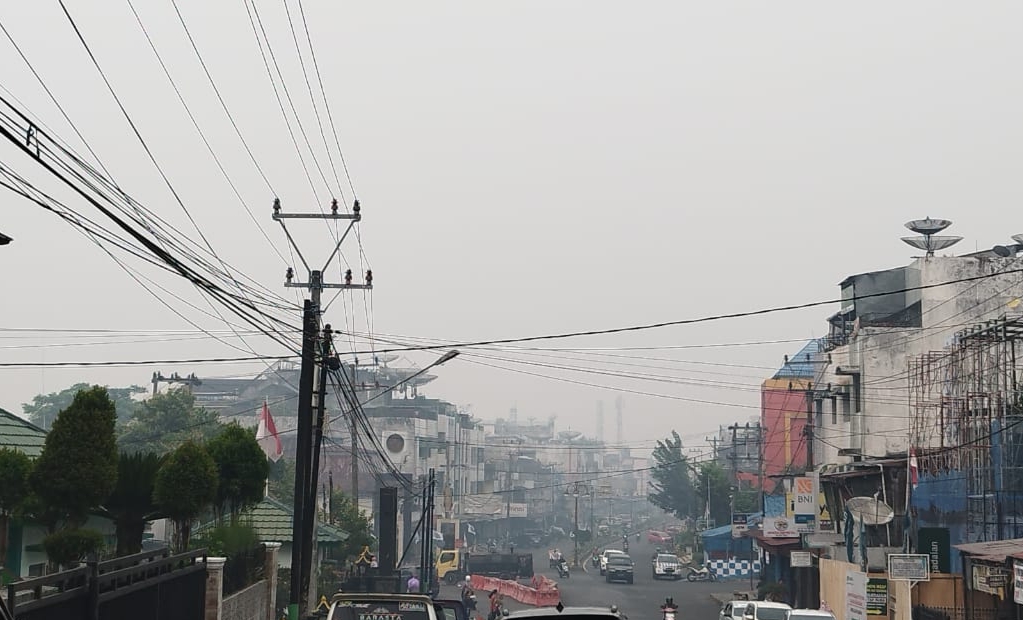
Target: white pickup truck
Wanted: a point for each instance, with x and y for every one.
(356, 606)
(667, 566)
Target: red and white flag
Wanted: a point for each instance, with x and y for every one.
(266, 435)
(914, 470)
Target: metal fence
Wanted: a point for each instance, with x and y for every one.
(924, 612)
(152, 585)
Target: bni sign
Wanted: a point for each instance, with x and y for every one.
(804, 496)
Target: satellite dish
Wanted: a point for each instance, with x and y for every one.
(1018, 239)
(569, 435)
(928, 226)
(929, 241)
(1003, 251)
(932, 243)
(870, 511)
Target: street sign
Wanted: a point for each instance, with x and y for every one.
(909, 566)
(799, 559)
(739, 525)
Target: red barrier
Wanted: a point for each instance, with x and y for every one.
(543, 594)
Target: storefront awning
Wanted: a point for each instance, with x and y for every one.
(994, 550)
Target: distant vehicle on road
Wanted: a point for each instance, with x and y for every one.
(667, 566)
(605, 555)
(619, 568)
(653, 536)
(733, 610)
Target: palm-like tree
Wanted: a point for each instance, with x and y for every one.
(131, 504)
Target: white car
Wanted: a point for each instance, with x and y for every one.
(603, 558)
(667, 566)
(809, 614)
(733, 610)
(765, 610)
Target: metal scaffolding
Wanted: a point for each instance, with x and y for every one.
(967, 417)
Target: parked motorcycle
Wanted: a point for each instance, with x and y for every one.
(701, 574)
(595, 560)
(563, 569)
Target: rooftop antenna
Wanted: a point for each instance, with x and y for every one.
(930, 241)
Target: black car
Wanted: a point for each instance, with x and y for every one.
(619, 568)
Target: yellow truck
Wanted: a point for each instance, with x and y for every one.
(453, 565)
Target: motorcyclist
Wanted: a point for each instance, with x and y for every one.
(562, 566)
(469, 597)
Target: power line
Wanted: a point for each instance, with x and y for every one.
(680, 322)
(208, 360)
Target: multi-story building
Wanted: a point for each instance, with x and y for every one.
(863, 427)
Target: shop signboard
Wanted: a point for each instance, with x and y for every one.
(877, 597)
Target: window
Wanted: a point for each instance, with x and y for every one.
(37, 570)
(834, 410)
(846, 408)
(446, 557)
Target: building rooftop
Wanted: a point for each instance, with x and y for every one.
(19, 434)
(801, 365)
(271, 520)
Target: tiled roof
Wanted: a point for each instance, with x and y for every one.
(272, 521)
(21, 435)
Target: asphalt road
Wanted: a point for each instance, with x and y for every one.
(642, 599)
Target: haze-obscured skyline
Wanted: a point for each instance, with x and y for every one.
(523, 169)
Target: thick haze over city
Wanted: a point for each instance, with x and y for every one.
(523, 169)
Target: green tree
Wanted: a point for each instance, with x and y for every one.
(131, 505)
(672, 485)
(165, 421)
(714, 475)
(186, 485)
(748, 501)
(68, 547)
(77, 469)
(282, 481)
(43, 409)
(345, 514)
(14, 489)
(242, 470)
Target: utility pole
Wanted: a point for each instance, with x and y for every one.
(327, 363)
(808, 428)
(310, 429)
(353, 427)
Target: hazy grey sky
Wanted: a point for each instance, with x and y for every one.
(528, 168)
